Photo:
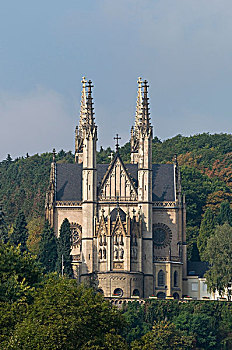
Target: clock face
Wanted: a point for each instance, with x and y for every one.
(161, 235)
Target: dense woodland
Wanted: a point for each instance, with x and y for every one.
(40, 309)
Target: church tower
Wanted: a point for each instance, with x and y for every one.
(141, 153)
(85, 153)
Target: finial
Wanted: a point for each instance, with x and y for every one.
(139, 81)
(103, 211)
(133, 211)
(117, 138)
(111, 156)
(84, 81)
(53, 155)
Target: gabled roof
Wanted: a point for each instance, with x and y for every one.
(163, 187)
(110, 169)
(69, 180)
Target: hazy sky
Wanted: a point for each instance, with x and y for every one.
(182, 47)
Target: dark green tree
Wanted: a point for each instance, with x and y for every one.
(200, 327)
(19, 274)
(48, 248)
(164, 336)
(225, 214)
(207, 229)
(3, 227)
(20, 232)
(64, 259)
(64, 316)
(8, 158)
(219, 255)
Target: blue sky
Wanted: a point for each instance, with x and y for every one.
(182, 47)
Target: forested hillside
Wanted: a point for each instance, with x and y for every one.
(206, 167)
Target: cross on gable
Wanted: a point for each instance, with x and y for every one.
(117, 138)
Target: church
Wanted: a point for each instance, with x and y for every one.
(128, 220)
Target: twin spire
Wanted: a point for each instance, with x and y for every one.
(87, 123)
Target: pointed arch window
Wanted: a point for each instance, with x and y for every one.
(161, 278)
(175, 279)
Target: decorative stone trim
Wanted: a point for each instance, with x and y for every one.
(67, 204)
(164, 204)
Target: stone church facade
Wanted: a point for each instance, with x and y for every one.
(127, 219)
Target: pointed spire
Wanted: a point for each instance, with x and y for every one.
(139, 105)
(146, 118)
(90, 113)
(83, 110)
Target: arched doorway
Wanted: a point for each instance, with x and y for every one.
(135, 293)
(176, 296)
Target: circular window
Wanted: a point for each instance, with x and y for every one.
(76, 234)
(162, 235)
(118, 292)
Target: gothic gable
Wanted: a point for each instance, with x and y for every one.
(117, 184)
(118, 228)
(102, 229)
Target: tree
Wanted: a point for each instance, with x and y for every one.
(48, 248)
(164, 336)
(200, 326)
(64, 259)
(19, 273)
(64, 316)
(35, 227)
(3, 227)
(20, 232)
(225, 214)
(207, 229)
(219, 255)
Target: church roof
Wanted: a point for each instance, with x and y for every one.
(69, 180)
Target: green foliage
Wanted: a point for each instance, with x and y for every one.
(19, 274)
(64, 259)
(200, 326)
(205, 147)
(136, 325)
(48, 249)
(164, 336)
(219, 255)
(196, 187)
(225, 214)
(104, 156)
(191, 238)
(35, 228)
(20, 232)
(23, 183)
(3, 227)
(206, 231)
(64, 316)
